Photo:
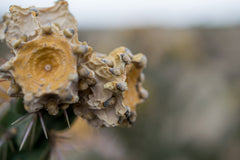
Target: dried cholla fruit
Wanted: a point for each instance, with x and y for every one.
(44, 68)
(118, 89)
(51, 68)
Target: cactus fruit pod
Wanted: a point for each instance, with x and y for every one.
(52, 72)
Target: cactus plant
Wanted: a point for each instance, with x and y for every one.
(54, 77)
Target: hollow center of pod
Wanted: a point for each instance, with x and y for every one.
(45, 63)
(48, 67)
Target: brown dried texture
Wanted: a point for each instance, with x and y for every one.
(25, 21)
(51, 68)
(113, 98)
(44, 67)
(48, 64)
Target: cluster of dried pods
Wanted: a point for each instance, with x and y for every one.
(52, 69)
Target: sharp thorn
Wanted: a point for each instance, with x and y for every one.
(20, 119)
(66, 116)
(33, 131)
(43, 125)
(26, 134)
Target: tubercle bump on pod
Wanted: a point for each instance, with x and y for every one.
(69, 32)
(52, 69)
(79, 48)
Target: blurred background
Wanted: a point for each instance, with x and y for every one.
(193, 77)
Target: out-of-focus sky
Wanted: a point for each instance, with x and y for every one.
(105, 14)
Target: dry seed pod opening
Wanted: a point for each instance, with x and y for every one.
(44, 64)
(48, 64)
